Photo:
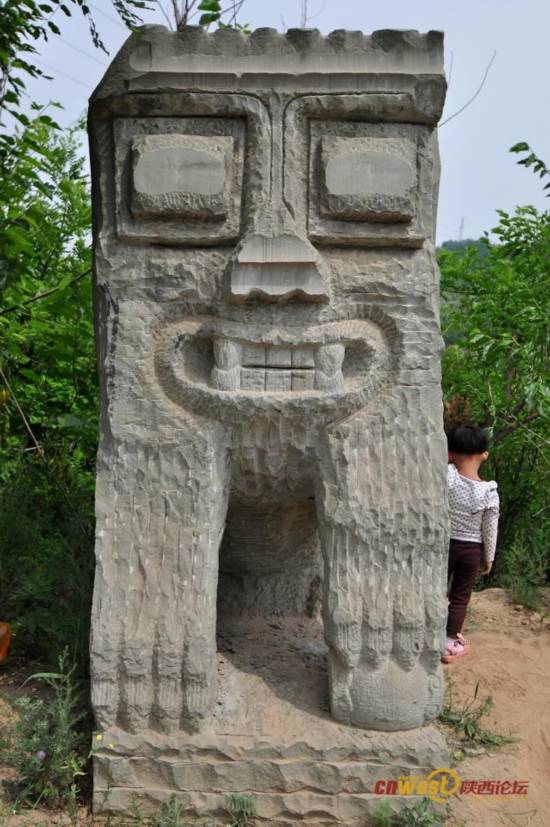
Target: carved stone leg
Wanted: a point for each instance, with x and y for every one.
(383, 535)
(161, 509)
(343, 612)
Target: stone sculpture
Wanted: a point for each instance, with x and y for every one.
(271, 420)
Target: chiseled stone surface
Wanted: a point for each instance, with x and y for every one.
(271, 445)
(368, 178)
(181, 175)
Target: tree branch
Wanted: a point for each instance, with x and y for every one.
(474, 96)
(44, 294)
(507, 431)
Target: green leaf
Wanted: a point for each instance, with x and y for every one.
(71, 421)
(210, 6)
(207, 19)
(53, 676)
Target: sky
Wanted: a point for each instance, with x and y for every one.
(479, 175)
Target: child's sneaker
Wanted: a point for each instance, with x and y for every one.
(456, 648)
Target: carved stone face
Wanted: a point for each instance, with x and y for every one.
(268, 343)
(277, 186)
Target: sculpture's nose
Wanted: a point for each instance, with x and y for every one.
(275, 268)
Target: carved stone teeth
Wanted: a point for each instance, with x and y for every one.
(226, 373)
(329, 383)
(253, 354)
(240, 367)
(226, 379)
(328, 361)
(278, 357)
(227, 353)
(329, 358)
(302, 357)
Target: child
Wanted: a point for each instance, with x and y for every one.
(473, 507)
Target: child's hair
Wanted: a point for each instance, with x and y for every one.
(467, 439)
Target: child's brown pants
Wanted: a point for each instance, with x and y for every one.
(464, 563)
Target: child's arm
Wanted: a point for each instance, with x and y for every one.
(489, 530)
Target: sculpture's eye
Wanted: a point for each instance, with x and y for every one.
(179, 180)
(181, 175)
(369, 183)
(368, 179)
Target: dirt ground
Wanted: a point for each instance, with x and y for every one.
(510, 661)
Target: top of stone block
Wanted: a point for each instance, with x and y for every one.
(159, 51)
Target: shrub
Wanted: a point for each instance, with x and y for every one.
(46, 560)
(44, 745)
(523, 566)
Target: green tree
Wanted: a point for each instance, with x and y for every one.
(48, 408)
(496, 369)
(25, 23)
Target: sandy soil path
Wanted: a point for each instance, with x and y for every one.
(510, 659)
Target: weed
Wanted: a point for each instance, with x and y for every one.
(241, 809)
(383, 815)
(43, 744)
(465, 720)
(137, 818)
(170, 815)
(419, 814)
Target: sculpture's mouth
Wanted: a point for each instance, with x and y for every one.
(255, 366)
(208, 362)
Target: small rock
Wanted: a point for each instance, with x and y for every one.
(474, 750)
(314, 648)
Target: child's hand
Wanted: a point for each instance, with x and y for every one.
(486, 566)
